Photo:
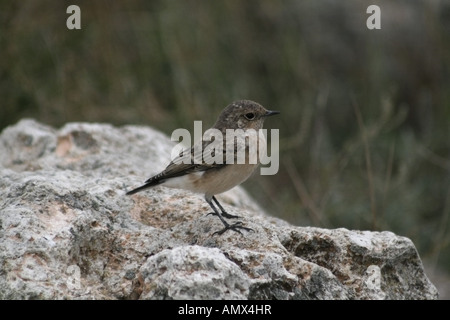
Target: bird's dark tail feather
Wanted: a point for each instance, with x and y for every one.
(148, 184)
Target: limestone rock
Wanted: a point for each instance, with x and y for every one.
(67, 231)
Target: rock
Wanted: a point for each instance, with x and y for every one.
(67, 231)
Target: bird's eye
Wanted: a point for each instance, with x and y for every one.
(249, 116)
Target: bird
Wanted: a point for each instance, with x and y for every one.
(212, 178)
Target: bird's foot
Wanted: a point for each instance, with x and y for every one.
(225, 215)
(236, 227)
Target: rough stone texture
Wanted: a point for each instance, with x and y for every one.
(67, 231)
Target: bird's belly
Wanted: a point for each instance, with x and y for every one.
(187, 182)
(212, 181)
(223, 179)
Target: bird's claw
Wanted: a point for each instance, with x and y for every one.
(235, 227)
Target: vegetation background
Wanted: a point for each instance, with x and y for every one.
(365, 114)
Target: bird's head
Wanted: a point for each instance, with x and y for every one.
(243, 114)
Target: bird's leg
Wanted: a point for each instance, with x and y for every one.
(235, 226)
(224, 213)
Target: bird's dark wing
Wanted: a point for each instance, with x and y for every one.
(201, 157)
(187, 162)
(209, 155)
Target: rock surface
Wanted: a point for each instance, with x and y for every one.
(67, 231)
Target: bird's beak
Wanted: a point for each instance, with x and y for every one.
(271, 113)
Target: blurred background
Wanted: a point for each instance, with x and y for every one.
(365, 114)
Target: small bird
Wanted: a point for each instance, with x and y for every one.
(214, 178)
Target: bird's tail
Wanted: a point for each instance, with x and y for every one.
(148, 184)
